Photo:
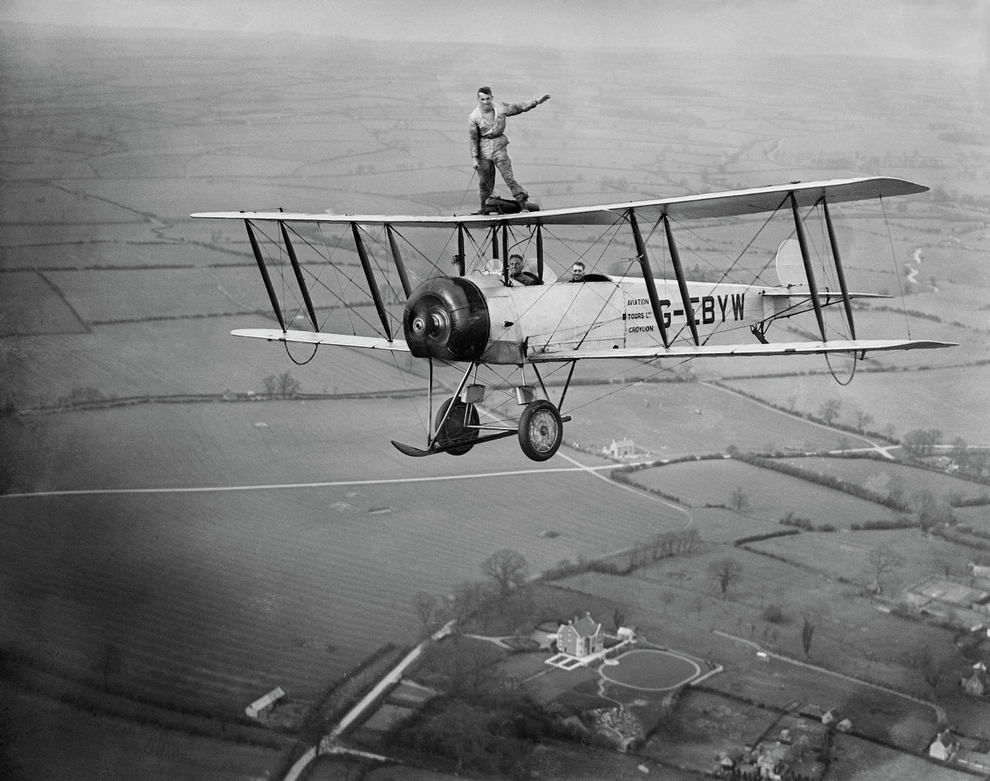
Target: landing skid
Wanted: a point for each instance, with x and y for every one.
(417, 452)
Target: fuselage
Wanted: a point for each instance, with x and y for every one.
(479, 318)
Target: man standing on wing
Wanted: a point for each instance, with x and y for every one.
(486, 130)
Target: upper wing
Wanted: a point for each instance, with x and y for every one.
(730, 350)
(721, 204)
(316, 337)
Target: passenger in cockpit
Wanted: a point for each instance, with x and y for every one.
(518, 273)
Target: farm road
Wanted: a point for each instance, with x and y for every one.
(595, 470)
(578, 467)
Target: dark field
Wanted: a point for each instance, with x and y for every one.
(211, 550)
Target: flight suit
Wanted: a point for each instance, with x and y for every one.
(488, 149)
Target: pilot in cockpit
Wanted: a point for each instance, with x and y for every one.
(577, 272)
(518, 273)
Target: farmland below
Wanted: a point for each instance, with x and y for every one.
(175, 542)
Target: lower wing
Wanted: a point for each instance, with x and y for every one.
(730, 350)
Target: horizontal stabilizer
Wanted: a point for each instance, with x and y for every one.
(732, 350)
(314, 337)
(825, 296)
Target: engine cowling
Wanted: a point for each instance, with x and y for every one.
(447, 318)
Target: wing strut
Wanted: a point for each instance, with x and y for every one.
(370, 276)
(505, 254)
(459, 260)
(838, 268)
(291, 251)
(675, 260)
(809, 272)
(539, 253)
(397, 257)
(651, 285)
(264, 275)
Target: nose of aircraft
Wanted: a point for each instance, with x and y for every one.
(429, 320)
(446, 318)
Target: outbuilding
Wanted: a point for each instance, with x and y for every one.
(264, 704)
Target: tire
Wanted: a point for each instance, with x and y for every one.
(455, 431)
(540, 430)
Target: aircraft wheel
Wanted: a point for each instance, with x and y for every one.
(455, 429)
(540, 430)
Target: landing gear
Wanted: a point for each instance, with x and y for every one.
(540, 430)
(458, 427)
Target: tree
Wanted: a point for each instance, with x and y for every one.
(425, 605)
(920, 443)
(811, 619)
(883, 560)
(467, 667)
(895, 490)
(959, 447)
(618, 618)
(468, 598)
(934, 669)
(738, 500)
(508, 568)
(863, 419)
(283, 386)
(931, 511)
(829, 410)
(288, 386)
(725, 572)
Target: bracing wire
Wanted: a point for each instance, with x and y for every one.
(893, 260)
(464, 195)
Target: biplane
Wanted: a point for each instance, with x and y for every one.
(480, 317)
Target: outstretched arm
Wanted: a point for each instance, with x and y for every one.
(518, 108)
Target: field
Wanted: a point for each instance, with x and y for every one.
(882, 476)
(677, 419)
(942, 399)
(356, 545)
(196, 554)
(859, 760)
(52, 734)
(768, 496)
